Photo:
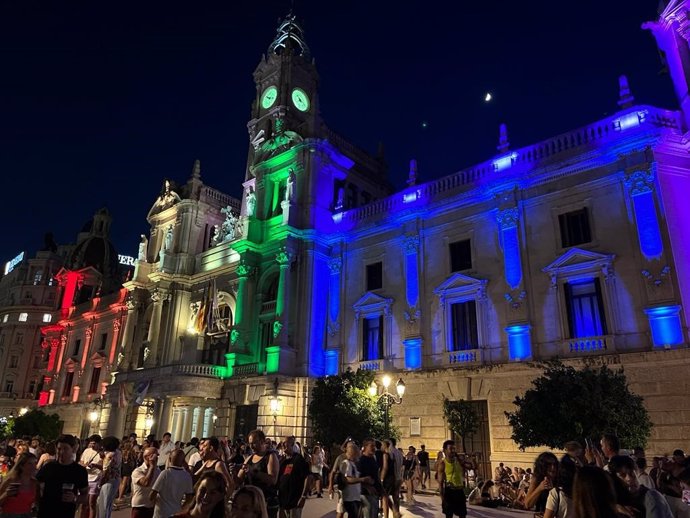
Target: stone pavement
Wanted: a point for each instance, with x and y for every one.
(426, 507)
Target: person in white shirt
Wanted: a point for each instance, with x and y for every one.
(171, 486)
(92, 460)
(143, 479)
(167, 447)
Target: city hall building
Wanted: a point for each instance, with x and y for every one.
(576, 247)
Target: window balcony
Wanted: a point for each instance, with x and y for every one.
(466, 357)
(588, 345)
(268, 307)
(371, 365)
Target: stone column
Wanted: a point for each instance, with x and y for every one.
(126, 353)
(179, 426)
(199, 421)
(236, 335)
(187, 428)
(412, 343)
(166, 414)
(116, 421)
(283, 259)
(157, 297)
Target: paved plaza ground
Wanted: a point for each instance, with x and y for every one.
(426, 507)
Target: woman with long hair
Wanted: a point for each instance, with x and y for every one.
(559, 503)
(110, 477)
(129, 463)
(248, 502)
(209, 498)
(19, 489)
(543, 480)
(593, 494)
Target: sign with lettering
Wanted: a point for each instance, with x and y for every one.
(126, 260)
(9, 265)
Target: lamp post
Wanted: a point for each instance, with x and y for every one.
(274, 404)
(386, 398)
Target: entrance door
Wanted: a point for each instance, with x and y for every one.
(245, 420)
(479, 442)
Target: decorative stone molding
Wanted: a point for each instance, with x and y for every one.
(639, 182)
(515, 298)
(244, 270)
(657, 280)
(283, 258)
(507, 218)
(371, 304)
(411, 244)
(335, 265)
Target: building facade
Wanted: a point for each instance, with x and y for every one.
(575, 248)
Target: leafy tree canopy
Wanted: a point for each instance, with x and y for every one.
(37, 422)
(341, 406)
(462, 419)
(568, 404)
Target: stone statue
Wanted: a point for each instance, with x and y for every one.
(215, 236)
(227, 229)
(143, 248)
(290, 187)
(250, 201)
(167, 243)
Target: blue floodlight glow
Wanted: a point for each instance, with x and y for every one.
(409, 197)
(413, 353)
(647, 225)
(519, 342)
(664, 321)
(331, 361)
(412, 288)
(504, 162)
(337, 217)
(511, 256)
(629, 120)
(334, 296)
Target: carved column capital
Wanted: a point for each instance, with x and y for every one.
(411, 244)
(335, 264)
(640, 181)
(508, 218)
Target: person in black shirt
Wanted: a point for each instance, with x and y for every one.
(368, 467)
(424, 467)
(293, 481)
(64, 483)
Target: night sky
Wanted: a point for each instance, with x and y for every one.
(98, 105)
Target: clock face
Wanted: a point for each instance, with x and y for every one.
(269, 97)
(300, 99)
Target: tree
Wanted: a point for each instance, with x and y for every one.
(341, 406)
(567, 404)
(462, 419)
(37, 422)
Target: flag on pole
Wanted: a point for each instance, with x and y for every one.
(213, 311)
(122, 396)
(140, 392)
(200, 324)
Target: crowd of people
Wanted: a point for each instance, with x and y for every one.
(259, 478)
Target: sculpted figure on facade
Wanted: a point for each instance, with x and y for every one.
(250, 200)
(290, 187)
(143, 248)
(168, 240)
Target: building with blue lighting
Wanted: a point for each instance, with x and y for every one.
(576, 247)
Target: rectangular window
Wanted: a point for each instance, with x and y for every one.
(19, 338)
(104, 341)
(575, 228)
(32, 387)
(9, 386)
(374, 276)
(67, 387)
(23, 317)
(77, 347)
(372, 338)
(585, 307)
(47, 317)
(95, 379)
(460, 255)
(38, 276)
(14, 362)
(464, 322)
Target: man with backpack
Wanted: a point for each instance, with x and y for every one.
(192, 456)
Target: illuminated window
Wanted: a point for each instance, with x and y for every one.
(77, 347)
(67, 387)
(23, 317)
(460, 255)
(372, 339)
(9, 386)
(464, 325)
(95, 378)
(47, 317)
(575, 228)
(38, 276)
(585, 308)
(374, 276)
(14, 361)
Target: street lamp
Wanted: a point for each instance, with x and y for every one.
(386, 398)
(95, 414)
(274, 404)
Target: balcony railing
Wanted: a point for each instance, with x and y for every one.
(268, 307)
(589, 345)
(209, 371)
(248, 369)
(371, 365)
(469, 356)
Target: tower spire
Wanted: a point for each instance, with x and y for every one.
(290, 36)
(503, 144)
(196, 169)
(625, 97)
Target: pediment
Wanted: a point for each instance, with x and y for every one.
(70, 364)
(460, 282)
(371, 300)
(577, 259)
(97, 358)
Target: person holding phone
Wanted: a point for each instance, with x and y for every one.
(545, 475)
(19, 489)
